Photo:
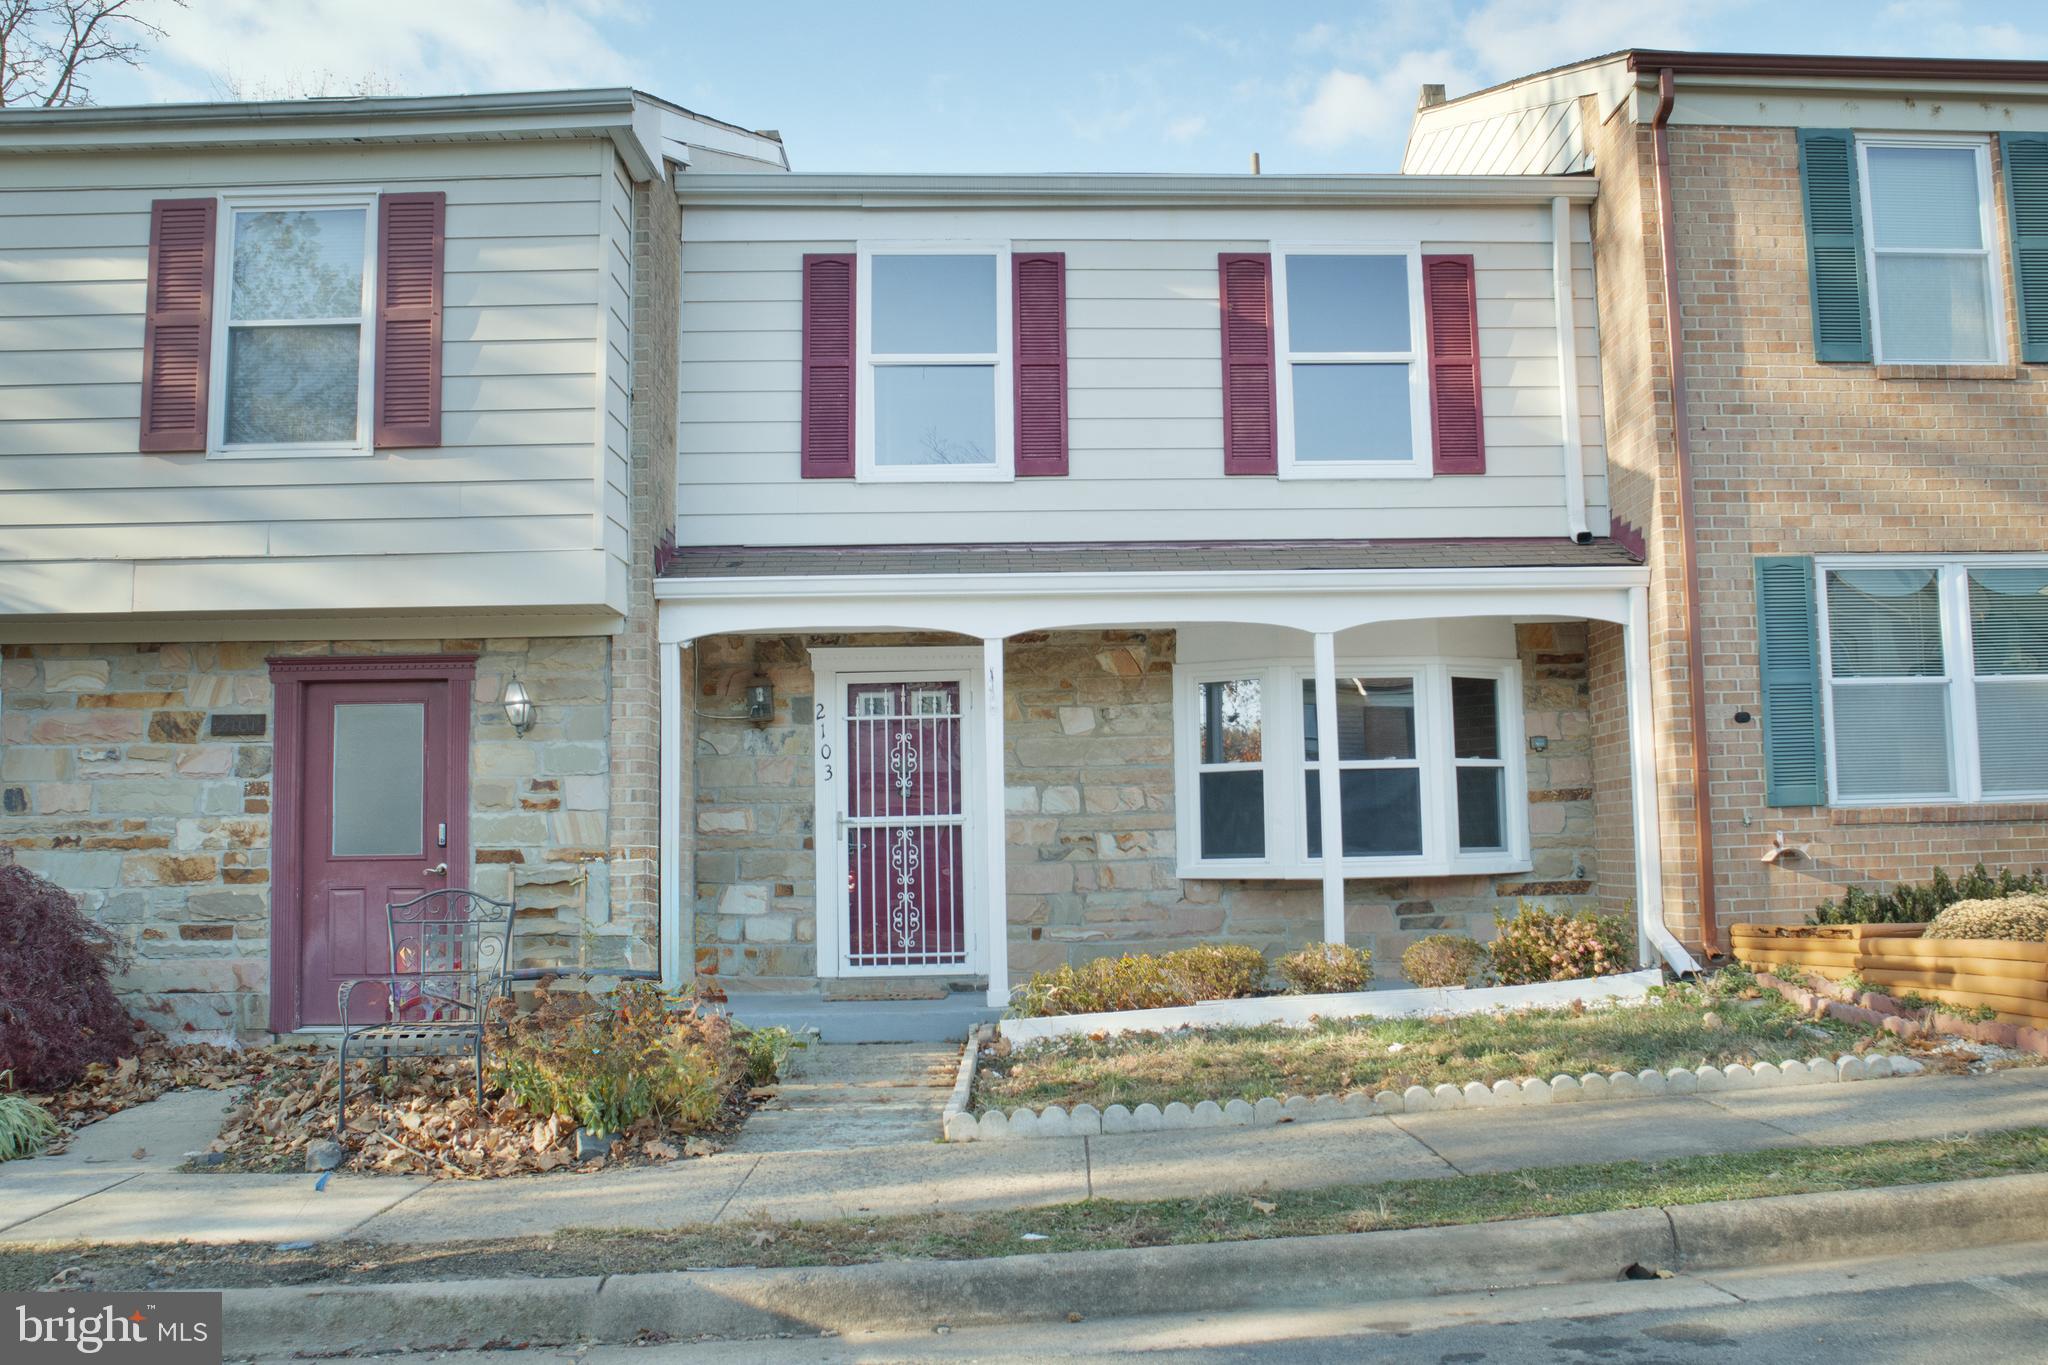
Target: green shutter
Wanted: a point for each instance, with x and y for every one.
(1788, 657)
(1834, 243)
(2026, 199)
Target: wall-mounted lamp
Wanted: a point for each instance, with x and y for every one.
(760, 699)
(519, 706)
(1539, 742)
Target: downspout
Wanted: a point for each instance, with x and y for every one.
(1568, 371)
(1695, 644)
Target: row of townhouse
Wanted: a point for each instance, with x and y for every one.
(919, 581)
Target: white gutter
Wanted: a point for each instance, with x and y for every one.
(1644, 797)
(1341, 191)
(1568, 370)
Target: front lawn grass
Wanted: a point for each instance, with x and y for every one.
(1092, 1225)
(1336, 1056)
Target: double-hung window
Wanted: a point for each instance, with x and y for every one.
(1930, 226)
(934, 363)
(292, 346)
(1353, 382)
(1936, 679)
(1430, 777)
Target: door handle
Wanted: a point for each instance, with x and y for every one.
(437, 870)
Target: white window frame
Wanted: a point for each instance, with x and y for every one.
(1281, 703)
(1988, 232)
(1421, 463)
(231, 205)
(1958, 678)
(1190, 731)
(1003, 468)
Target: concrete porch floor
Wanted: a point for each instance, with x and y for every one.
(864, 1021)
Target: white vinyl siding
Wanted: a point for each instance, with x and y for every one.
(1144, 375)
(510, 511)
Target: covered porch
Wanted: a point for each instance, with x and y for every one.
(959, 766)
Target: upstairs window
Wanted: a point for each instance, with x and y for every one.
(1927, 242)
(1352, 379)
(934, 362)
(293, 350)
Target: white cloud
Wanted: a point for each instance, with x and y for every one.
(401, 46)
(1509, 38)
(1350, 106)
(1186, 129)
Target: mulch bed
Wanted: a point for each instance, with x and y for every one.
(422, 1120)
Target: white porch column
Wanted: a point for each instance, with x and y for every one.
(1331, 793)
(676, 953)
(1653, 940)
(995, 824)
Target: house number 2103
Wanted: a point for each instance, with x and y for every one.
(824, 744)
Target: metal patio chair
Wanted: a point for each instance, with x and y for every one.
(449, 952)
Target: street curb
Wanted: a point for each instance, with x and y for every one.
(1289, 1272)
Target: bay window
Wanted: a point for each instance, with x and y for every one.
(934, 352)
(1935, 679)
(1428, 753)
(1352, 385)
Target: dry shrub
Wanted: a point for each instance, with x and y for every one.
(1542, 945)
(609, 1063)
(58, 1015)
(1443, 960)
(1326, 968)
(2022, 917)
(1212, 971)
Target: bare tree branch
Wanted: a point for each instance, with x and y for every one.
(49, 47)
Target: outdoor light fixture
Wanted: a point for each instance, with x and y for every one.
(1539, 742)
(518, 706)
(760, 699)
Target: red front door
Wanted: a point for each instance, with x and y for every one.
(380, 792)
(906, 827)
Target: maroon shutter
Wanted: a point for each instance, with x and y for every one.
(1038, 312)
(1450, 302)
(177, 331)
(411, 235)
(828, 366)
(1246, 284)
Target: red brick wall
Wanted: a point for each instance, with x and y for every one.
(1795, 457)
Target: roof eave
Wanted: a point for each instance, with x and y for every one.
(816, 190)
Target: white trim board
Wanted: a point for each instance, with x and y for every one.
(1302, 1011)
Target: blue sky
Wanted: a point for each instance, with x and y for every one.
(1044, 86)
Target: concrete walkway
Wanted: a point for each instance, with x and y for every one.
(837, 1097)
(112, 1204)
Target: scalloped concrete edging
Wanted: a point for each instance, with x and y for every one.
(1085, 1120)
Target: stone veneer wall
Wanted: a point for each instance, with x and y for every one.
(1089, 790)
(138, 778)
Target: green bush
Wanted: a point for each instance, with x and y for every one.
(25, 1126)
(613, 1062)
(1542, 945)
(1908, 903)
(1326, 968)
(2022, 918)
(1443, 960)
(1212, 971)
(766, 1050)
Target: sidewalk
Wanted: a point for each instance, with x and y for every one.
(109, 1203)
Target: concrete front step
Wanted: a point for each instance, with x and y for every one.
(864, 1021)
